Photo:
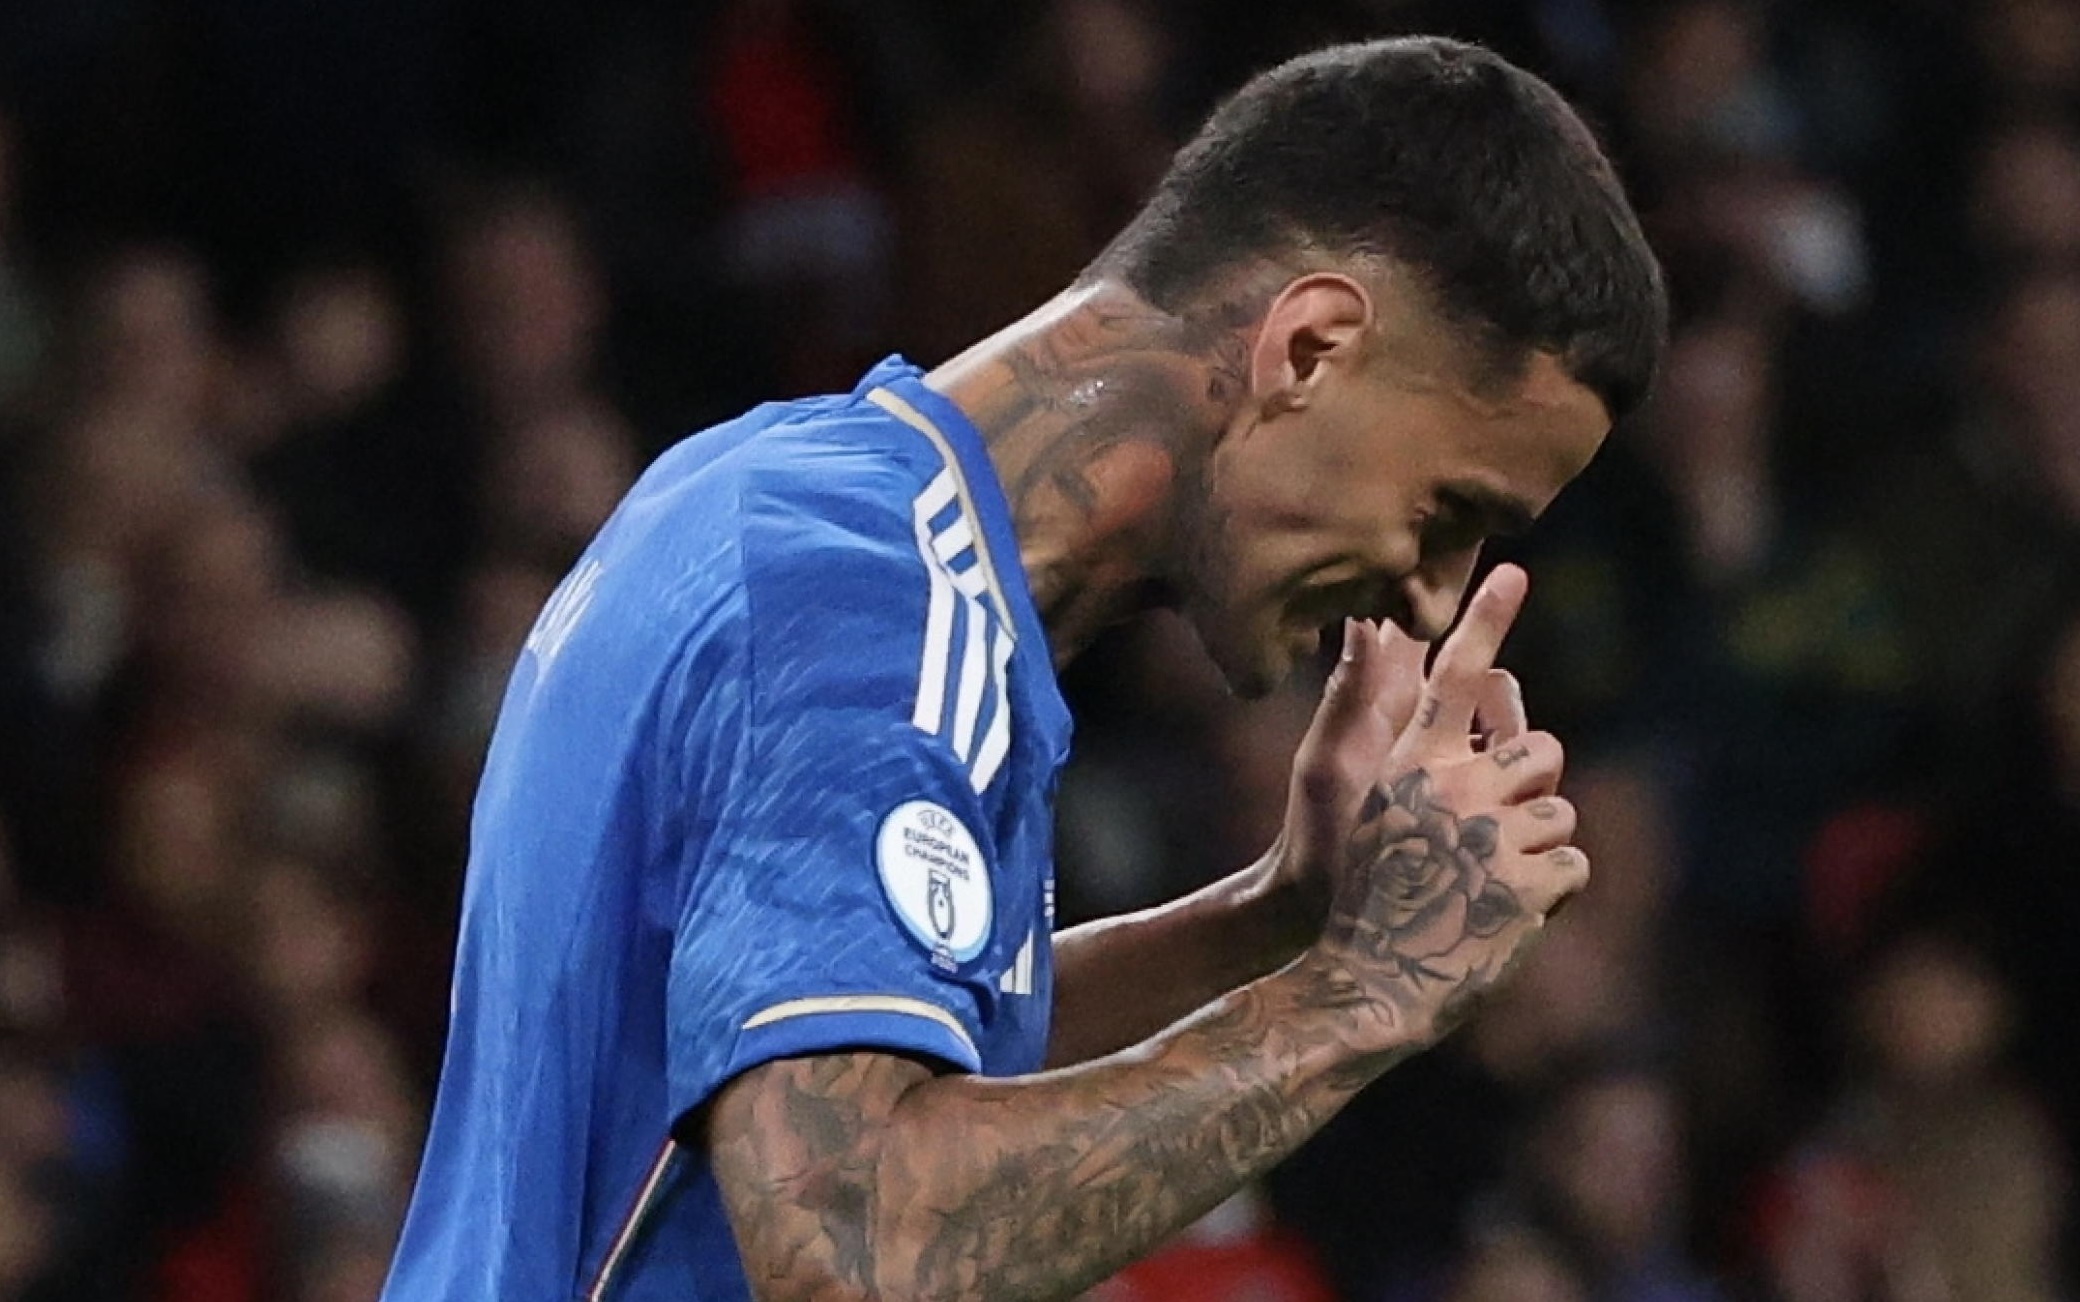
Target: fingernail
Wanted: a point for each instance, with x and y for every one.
(1350, 639)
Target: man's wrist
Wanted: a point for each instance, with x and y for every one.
(1373, 1034)
(1284, 912)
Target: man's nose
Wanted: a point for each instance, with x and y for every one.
(1430, 612)
(1433, 598)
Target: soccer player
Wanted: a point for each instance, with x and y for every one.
(757, 994)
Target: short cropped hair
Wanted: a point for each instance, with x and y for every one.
(1443, 157)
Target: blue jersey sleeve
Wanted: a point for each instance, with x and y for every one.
(844, 892)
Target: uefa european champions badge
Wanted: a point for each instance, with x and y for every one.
(937, 881)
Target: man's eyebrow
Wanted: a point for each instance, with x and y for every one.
(1501, 514)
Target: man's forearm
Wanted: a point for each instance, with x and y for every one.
(860, 1176)
(857, 1176)
(1120, 980)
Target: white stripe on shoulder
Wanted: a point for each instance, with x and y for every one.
(985, 642)
(996, 743)
(967, 705)
(917, 420)
(936, 495)
(971, 582)
(938, 633)
(957, 538)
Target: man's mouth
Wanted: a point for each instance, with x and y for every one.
(1378, 602)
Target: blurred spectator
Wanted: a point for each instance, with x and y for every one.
(30, 997)
(122, 462)
(1990, 858)
(808, 231)
(147, 346)
(309, 949)
(1233, 1254)
(22, 327)
(554, 479)
(1980, 529)
(1605, 1184)
(25, 1234)
(526, 301)
(1800, 237)
(2031, 51)
(337, 440)
(2026, 197)
(1598, 645)
(1700, 80)
(344, 659)
(1795, 686)
(344, 1156)
(1017, 186)
(1935, 1178)
(1517, 1267)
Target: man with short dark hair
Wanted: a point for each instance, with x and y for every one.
(757, 994)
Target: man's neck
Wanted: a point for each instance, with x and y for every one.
(1101, 413)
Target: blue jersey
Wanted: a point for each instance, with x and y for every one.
(773, 776)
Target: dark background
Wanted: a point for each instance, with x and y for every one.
(329, 331)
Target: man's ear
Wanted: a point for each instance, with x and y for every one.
(1315, 322)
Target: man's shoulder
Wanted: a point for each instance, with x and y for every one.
(821, 475)
(790, 498)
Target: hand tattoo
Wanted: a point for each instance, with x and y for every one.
(1420, 904)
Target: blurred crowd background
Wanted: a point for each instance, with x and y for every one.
(328, 332)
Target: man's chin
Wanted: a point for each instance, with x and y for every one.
(1253, 665)
(1254, 685)
(1255, 676)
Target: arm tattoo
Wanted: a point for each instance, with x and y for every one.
(852, 1177)
(798, 1138)
(859, 1176)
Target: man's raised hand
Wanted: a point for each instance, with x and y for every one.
(1459, 852)
(1366, 705)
